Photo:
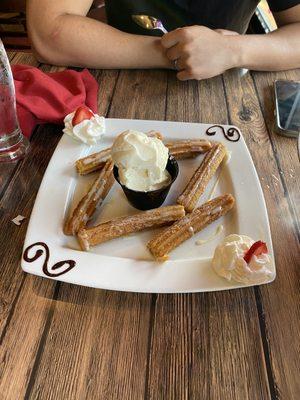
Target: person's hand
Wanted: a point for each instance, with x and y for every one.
(201, 52)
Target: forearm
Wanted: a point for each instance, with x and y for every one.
(80, 41)
(279, 50)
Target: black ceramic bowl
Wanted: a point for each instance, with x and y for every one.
(155, 198)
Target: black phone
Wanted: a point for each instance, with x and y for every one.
(287, 101)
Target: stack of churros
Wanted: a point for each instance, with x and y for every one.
(183, 219)
(196, 219)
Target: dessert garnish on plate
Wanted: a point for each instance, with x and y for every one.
(141, 161)
(85, 126)
(143, 168)
(241, 259)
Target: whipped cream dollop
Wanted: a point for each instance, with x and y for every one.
(88, 131)
(141, 161)
(228, 261)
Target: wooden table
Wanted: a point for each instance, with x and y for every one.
(61, 341)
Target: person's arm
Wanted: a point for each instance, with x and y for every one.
(61, 34)
(204, 53)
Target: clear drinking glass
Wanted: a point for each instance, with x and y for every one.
(13, 145)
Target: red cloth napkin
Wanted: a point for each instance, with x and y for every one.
(48, 97)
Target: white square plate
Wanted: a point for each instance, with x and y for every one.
(125, 263)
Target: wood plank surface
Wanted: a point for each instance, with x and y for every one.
(285, 149)
(99, 339)
(103, 334)
(191, 101)
(140, 95)
(199, 340)
(278, 303)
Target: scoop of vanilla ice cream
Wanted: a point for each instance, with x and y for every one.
(228, 261)
(141, 161)
(88, 131)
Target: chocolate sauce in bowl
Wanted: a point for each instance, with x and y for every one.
(46, 269)
(231, 134)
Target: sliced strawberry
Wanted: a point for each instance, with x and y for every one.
(256, 249)
(81, 114)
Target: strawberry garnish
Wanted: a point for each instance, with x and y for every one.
(256, 249)
(81, 114)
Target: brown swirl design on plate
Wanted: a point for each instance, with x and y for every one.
(46, 269)
(231, 134)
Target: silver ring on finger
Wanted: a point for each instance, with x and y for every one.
(176, 64)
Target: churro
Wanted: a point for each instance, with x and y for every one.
(183, 229)
(182, 149)
(156, 134)
(93, 162)
(92, 199)
(201, 177)
(125, 225)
